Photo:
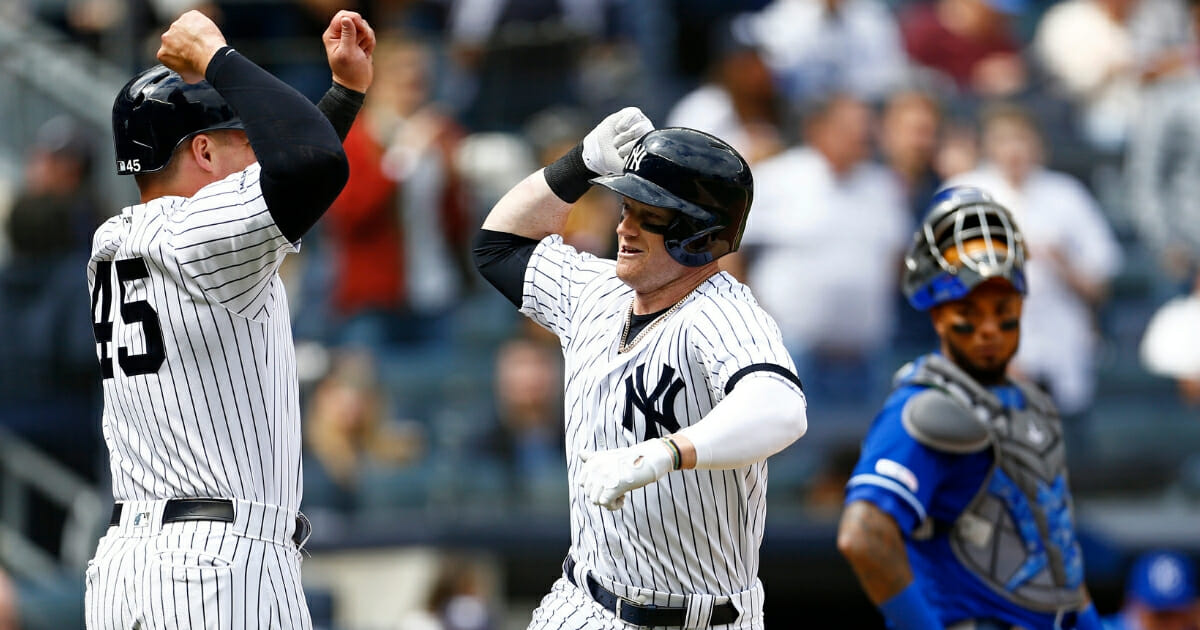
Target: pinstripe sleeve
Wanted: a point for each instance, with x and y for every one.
(735, 337)
(227, 242)
(554, 279)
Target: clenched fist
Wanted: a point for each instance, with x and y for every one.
(189, 44)
(607, 475)
(606, 147)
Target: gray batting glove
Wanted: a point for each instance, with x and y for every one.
(606, 146)
(607, 475)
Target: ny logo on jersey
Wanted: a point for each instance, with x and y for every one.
(665, 391)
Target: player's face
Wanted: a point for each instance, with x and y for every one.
(642, 259)
(981, 331)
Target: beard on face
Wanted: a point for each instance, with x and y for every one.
(984, 375)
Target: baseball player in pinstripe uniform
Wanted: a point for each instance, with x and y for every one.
(192, 329)
(678, 385)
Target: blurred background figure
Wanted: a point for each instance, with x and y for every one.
(1160, 594)
(49, 381)
(816, 48)
(910, 129)
(1170, 346)
(1073, 255)
(462, 598)
(509, 57)
(910, 139)
(1088, 50)
(822, 250)
(971, 42)
(738, 101)
(9, 610)
(397, 232)
(523, 448)
(357, 456)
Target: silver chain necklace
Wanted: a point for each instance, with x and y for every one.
(627, 345)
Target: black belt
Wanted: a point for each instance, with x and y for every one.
(637, 614)
(178, 510)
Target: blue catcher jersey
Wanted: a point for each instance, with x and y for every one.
(926, 491)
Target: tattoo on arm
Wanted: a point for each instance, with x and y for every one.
(874, 546)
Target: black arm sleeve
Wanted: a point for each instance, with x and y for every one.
(340, 106)
(501, 259)
(303, 164)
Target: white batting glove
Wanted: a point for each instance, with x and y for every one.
(606, 146)
(607, 475)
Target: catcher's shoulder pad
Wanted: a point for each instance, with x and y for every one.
(941, 422)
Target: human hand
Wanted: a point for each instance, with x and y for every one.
(349, 42)
(189, 44)
(607, 475)
(606, 146)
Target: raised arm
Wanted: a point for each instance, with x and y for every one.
(303, 165)
(349, 44)
(538, 206)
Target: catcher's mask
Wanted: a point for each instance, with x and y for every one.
(965, 239)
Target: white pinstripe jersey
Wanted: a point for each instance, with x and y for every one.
(194, 338)
(693, 531)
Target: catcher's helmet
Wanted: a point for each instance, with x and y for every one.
(703, 179)
(156, 111)
(965, 239)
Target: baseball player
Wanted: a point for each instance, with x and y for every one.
(678, 386)
(958, 514)
(193, 335)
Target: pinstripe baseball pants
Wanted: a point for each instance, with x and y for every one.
(194, 575)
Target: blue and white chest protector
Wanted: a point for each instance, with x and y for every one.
(1017, 533)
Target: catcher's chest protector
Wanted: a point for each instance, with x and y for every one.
(1017, 534)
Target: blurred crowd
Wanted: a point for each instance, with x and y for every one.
(421, 388)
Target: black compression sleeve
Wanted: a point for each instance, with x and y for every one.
(501, 258)
(303, 164)
(340, 105)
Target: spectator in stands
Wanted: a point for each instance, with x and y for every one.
(1164, 172)
(397, 231)
(511, 59)
(10, 616)
(49, 378)
(525, 442)
(970, 41)
(909, 133)
(825, 239)
(820, 47)
(1073, 255)
(352, 446)
(1160, 594)
(1163, 39)
(909, 138)
(1171, 344)
(1087, 48)
(737, 103)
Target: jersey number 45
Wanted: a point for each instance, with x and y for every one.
(132, 312)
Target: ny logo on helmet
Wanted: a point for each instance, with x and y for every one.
(634, 161)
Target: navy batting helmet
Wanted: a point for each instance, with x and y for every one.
(703, 179)
(156, 111)
(965, 239)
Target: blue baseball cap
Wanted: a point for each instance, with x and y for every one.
(1163, 580)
